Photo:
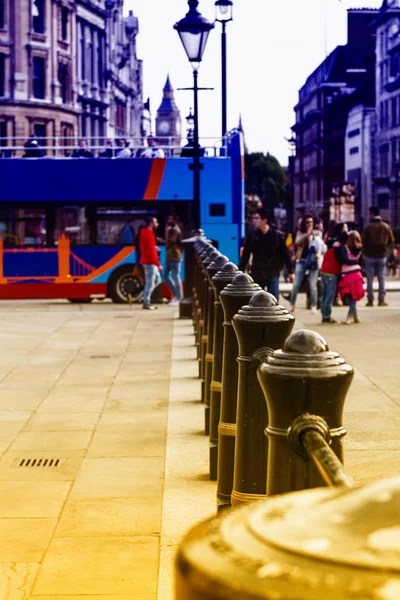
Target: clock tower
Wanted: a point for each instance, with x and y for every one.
(168, 120)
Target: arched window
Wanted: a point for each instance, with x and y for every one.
(38, 14)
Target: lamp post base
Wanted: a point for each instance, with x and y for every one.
(186, 308)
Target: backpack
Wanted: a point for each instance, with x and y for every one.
(312, 259)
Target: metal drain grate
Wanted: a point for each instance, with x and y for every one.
(38, 462)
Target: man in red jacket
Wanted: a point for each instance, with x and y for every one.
(150, 261)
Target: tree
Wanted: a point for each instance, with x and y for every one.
(266, 179)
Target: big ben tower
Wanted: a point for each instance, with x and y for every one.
(168, 120)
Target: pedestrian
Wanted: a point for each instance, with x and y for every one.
(123, 150)
(152, 151)
(269, 252)
(376, 239)
(32, 148)
(173, 237)
(330, 269)
(150, 261)
(108, 151)
(83, 151)
(393, 263)
(306, 261)
(351, 284)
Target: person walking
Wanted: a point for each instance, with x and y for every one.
(306, 260)
(376, 239)
(150, 261)
(351, 284)
(330, 270)
(269, 252)
(173, 236)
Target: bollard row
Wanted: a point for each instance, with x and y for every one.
(274, 416)
(274, 404)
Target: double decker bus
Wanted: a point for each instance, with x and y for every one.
(68, 226)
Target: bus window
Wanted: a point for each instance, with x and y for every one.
(118, 225)
(26, 226)
(72, 222)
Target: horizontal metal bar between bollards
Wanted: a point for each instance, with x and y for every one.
(326, 461)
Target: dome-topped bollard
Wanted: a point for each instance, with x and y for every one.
(219, 281)
(199, 301)
(212, 270)
(186, 305)
(322, 544)
(204, 323)
(260, 327)
(305, 386)
(233, 297)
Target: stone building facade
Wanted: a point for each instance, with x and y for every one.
(344, 80)
(68, 68)
(387, 29)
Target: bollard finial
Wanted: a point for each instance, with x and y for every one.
(263, 300)
(211, 257)
(306, 342)
(263, 307)
(242, 285)
(218, 263)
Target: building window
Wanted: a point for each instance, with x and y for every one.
(2, 75)
(354, 150)
(384, 160)
(394, 151)
(89, 58)
(3, 134)
(2, 15)
(100, 73)
(38, 16)
(394, 112)
(353, 133)
(64, 23)
(120, 116)
(39, 77)
(63, 77)
(83, 53)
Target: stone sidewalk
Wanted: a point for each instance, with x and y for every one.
(109, 397)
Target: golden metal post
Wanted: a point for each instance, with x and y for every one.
(305, 378)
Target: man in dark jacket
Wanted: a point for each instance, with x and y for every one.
(269, 252)
(376, 239)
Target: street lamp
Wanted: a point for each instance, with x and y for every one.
(190, 120)
(224, 14)
(193, 31)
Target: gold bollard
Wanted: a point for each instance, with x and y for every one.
(233, 297)
(212, 270)
(321, 544)
(260, 327)
(204, 329)
(305, 379)
(219, 281)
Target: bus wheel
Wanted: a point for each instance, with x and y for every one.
(80, 300)
(124, 286)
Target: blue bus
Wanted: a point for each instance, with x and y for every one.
(68, 226)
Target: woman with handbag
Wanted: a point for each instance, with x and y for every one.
(308, 253)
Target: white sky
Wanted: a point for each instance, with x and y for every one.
(273, 45)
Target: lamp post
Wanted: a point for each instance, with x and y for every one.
(224, 14)
(193, 31)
